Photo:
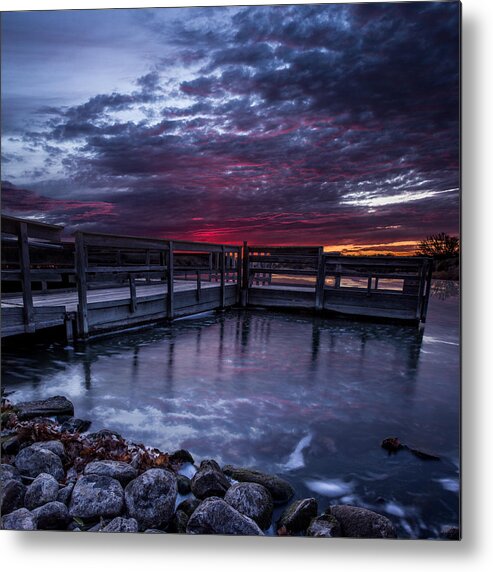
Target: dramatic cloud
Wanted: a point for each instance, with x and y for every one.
(320, 124)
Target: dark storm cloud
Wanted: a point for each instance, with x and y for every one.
(315, 123)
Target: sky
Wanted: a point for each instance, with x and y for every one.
(323, 124)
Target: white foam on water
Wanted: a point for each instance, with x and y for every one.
(332, 488)
(187, 470)
(394, 509)
(433, 340)
(451, 485)
(296, 459)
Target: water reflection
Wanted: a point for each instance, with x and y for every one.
(443, 289)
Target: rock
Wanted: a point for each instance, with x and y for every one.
(150, 498)
(118, 470)
(65, 493)
(34, 460)
(188, 506)
(75, 425)
(450, 533)
(181, 456)
(52, 516)
(362, 523)
(215, 516)
(96, 496)
(183, 483)
(209, 481)
(10, 446)
(20, 519)
(298, 515)
(50, 407)
(56, 447)
(252, 500)
(154, 531)
(324, 526)
(103, 434)
(42, 490)
(12, 494)
(179, 522)
(9, 473)
(280, 489)
(120, 524)
(391, 444)
(425, 455)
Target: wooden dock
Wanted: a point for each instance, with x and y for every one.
(100, 283)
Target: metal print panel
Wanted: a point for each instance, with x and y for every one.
(230, 270)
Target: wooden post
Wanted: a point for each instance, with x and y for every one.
(25, 267)
(319, 288)
(199, 286)
(222, 266)
(69, 330)
(170, 278)
(368, 288)
(133, 293)
(80, 270)
(239, 264)
(429, 275)
(148, 263)
(245, 275)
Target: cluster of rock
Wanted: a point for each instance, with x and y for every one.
(43, 488)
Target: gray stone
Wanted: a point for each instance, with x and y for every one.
(120, 524)
(215, 516)
(362, 523)
(96, 496)
(9, 473)
(150, 498)
(181, 456)
(118, 470)
(324, 526)
(42, 490)
(11, 445)
(50, 407)
(33, 461)
(20, 519)
(12, 494)
(52, 516)
(179, 522)
(298, 515)
(209, 481)
(75, 425)
(252, 500)
(154, 531)
(65, 493)
(183, 483)
(56, 447)
(188, 506)
(280, 489)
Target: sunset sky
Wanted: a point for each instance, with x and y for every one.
(327, 124)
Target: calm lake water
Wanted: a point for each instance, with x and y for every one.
(307, 398)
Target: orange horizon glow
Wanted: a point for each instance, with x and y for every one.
(398, 248)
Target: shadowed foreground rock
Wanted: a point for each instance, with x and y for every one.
(95, 496)
(215, 516)
(35, 460)
(151, 497)
(12, 495)
(325, 526)
(298, 515)
(362, 523)
(20, 519)
(252, 500)
(280, 490)
(120, 524)
(209, 481)
(51, 516)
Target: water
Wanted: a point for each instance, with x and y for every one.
(308, 398)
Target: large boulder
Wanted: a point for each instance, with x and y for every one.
(209, 481)
(120, 524)
(52, 516)
(12, 494)
(280, 489)
(118, 470)
(20, 519)
(150, 498)
(33, 460)
(252, 500)
(362, 523)
(215, 516)
(324, 526)
(57, 405)
(298, 515)
(95, 496)
(54, 446)
(42, 490)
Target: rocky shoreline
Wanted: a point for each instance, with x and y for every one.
(56, 476)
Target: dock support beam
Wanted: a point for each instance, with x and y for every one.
(223, 283)
(25, 265)
(170, 297)
(81, 269)
(319, 289)
(133, 293)
(245, 275)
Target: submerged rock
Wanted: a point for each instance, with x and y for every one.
(425, 455)
(34, 460)
(298, 515)
(150, 498)
(51, 516)
(280, 490)
(215, 516)
(118, 470)
(120, 524)
(95, 496)
(12, 494)
(209, 481)
(75, 425)
(362, 523)
(324, 526)
(57, 405)
(391, 444)
(20, 519)
(252, 500)
(42, 490)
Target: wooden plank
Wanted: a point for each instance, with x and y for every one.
(25, 267)
(170, 283)
(80, 269)
(125, 269)
(39, 230)
(181, 245)
(120, 241)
